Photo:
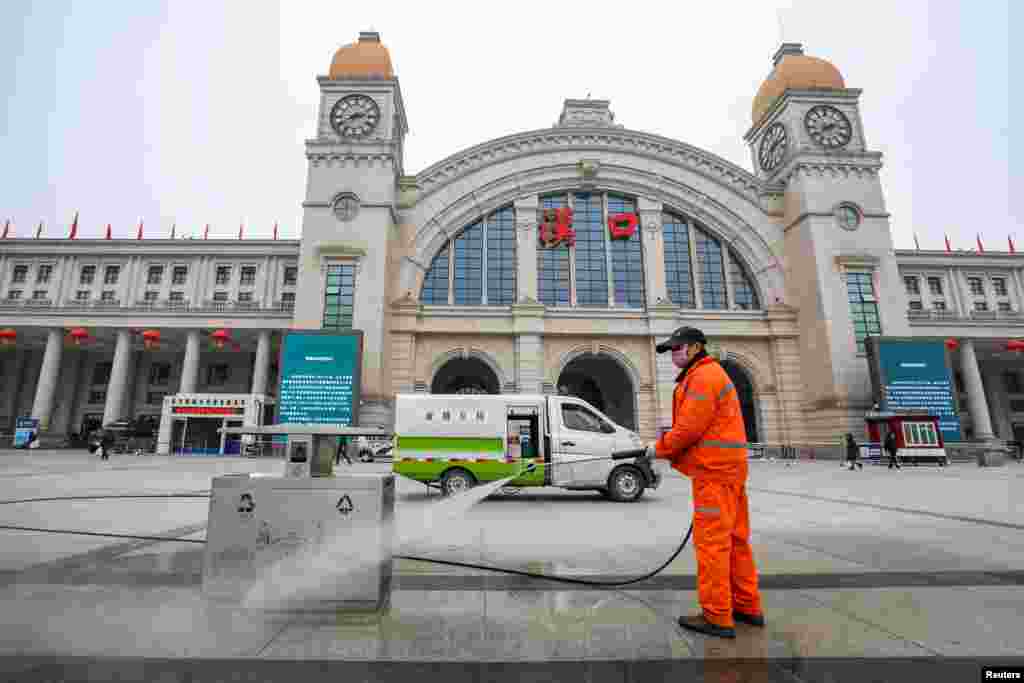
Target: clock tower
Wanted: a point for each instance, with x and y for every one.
(349, 220)
(808, 145)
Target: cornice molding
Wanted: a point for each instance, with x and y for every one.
(864, 165)
(543, 141)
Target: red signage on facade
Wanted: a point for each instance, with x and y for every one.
(622, 225)
(556, 227)
(208, 410)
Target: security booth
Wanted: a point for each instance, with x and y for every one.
(194, 424)
(918, 437)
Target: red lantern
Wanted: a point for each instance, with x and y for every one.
(1015, 345)
(8, 337)
(220, 337)
(952, 344)
(151, 339)
(79, 335)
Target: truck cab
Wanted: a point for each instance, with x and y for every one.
(456, 442)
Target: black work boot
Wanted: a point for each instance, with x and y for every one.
(745, 618)
(701, 625)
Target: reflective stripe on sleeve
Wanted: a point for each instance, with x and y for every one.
(708, 510)
(724, 444)
(695, 395)
(725, 391)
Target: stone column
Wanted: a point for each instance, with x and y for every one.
(655, 289)
(261, 368)
(42, 406)
(975, 392)
(120, 374)
(526, 248)
(529, 363)
(190, 369)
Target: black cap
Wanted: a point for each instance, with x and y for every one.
(684, 335)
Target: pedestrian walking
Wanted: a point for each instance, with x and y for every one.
(342, 451)
(106, 443)
(890, 449)
(708, 443)
(853, 452)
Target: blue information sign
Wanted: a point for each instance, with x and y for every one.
(914, 375)
(320, 378)
(24, 429)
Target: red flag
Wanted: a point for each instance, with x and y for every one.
(139, 236)
(173, 226)
(948, 248)
(240, 227)
(109, 236)
(980, 248)
(916, 243)
(206, 233)
(7, 228)
(275, 231)
(1010, 239)
(39, 230)
(74, 227)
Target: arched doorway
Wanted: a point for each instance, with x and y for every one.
(745, 390)
(465, 376)
(603, 383)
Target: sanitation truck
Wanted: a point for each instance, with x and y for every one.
(455, 442)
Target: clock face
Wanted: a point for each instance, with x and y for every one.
(355, 116)
(773, 147)
(828, 126)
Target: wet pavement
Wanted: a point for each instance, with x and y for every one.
(868, 575)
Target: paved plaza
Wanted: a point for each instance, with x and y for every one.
(908, 573)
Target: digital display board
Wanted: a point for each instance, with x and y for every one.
(320, 378)
(914, 375)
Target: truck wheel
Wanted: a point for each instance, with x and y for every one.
(456, 481)
(626, 484)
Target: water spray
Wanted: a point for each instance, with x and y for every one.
(640, 453)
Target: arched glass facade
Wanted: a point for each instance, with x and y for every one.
(478, 266)
(485, 252)
(696, 262)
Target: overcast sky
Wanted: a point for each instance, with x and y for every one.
(195, 111)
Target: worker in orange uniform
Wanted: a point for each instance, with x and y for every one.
(707, 443)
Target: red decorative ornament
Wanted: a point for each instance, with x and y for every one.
(151, 339)
(79, 335)
(8, 337)
(952, 344)
(220, 338)
(622, 225)
(1015, 345)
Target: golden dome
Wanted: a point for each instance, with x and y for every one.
(366, 59)
(794, 70)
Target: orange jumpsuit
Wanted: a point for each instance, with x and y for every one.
(707, 443)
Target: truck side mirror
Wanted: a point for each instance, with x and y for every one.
(607, 428)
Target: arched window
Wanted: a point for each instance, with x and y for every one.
(697, 261)
(597, 271)
(678, 274)
(477, 266)
(435, 284)
(553, 279)
(711, 271)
